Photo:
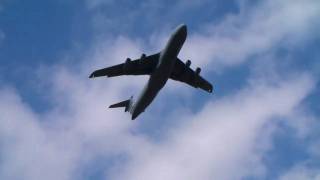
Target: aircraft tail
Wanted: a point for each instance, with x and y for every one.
(126, 104)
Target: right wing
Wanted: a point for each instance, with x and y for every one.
(143, 66)
(183, 73)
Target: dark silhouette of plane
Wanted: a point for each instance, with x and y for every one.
(160, 66)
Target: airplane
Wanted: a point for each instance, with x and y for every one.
(160, 67)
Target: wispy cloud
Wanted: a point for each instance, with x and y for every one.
(301, 173)
(215, 142)
(220, 141)
(255, 30)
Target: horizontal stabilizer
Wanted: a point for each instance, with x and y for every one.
(120, 104)
(126, 104)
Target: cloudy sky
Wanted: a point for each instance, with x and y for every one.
(261, 122)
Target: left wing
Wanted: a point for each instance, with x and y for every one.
(182, 72)
(143, 66)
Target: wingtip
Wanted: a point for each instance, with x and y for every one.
(91, 75)
(112, 106)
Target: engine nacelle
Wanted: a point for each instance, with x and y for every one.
(143, 56)
(198, 70)
(128, 60)
(188, 63)
(127, 65)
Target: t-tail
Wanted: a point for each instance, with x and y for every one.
(126, 104)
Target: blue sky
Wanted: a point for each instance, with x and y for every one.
(261, 122)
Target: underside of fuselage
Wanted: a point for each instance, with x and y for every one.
(162, 72)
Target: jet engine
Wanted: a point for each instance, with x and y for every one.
(198, 70)
(127, 65)
(143, 56)
(128, 60)
(188, 63)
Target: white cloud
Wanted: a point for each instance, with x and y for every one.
(220, 142)
(27, 152)
(53, 145)
(255, 30)
(301, 173)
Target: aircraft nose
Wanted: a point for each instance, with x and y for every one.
(183, 30)
(180, 34)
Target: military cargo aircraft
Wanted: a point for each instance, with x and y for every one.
(160, 67)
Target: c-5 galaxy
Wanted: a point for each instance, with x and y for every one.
(160, 67)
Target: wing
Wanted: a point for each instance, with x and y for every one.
(143, 66)
(182, 72)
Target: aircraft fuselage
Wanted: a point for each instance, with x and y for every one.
(162, 72)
